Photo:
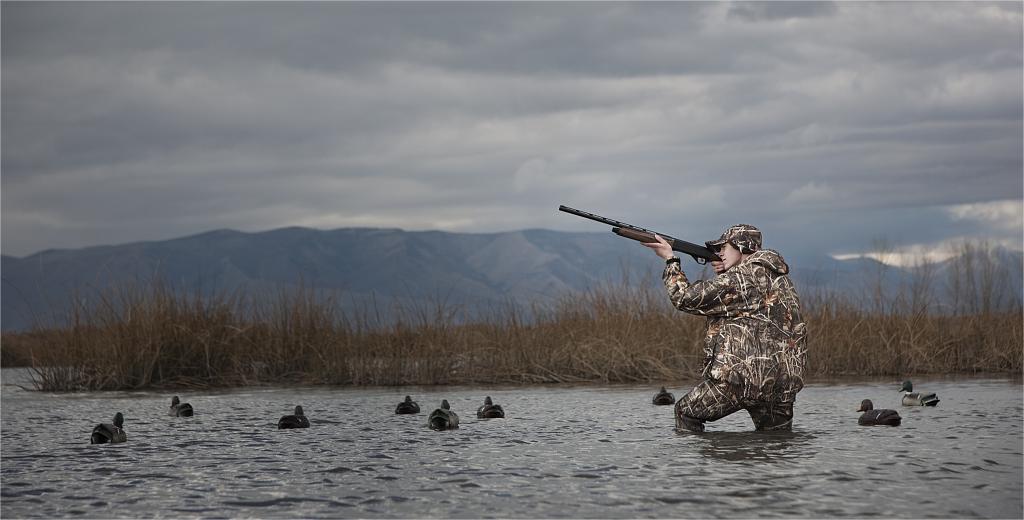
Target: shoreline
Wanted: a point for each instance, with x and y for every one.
(23, 382)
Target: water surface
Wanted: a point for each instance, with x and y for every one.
(562, 452)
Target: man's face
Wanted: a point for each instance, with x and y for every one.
(730, 256)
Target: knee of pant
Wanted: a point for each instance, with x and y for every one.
(687, 423)
(707, 404)
(682, 404)
(693, 409)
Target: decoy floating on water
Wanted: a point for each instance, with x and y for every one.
(912, 398)
(180, 409)
(443, 418)
(407, 406)
(664, 397)
(298, 420)
(874, 417)
(490, 410)
(105, 432)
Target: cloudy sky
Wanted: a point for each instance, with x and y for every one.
(832, 126)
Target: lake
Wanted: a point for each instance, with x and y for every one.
(561, 452)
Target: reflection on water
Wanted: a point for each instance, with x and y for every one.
(563, 452)
(756, 447)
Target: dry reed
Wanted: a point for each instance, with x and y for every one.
(151, 336)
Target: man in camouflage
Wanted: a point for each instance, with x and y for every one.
(755, 345)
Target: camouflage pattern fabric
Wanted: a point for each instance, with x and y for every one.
(709, 401)
(755, 345)
(745, 237)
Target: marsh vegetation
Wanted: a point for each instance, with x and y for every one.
(150, 335)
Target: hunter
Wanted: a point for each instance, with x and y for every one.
(755, 345)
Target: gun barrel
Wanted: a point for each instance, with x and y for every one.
(591, 216)
(699, 253)
(611, 222)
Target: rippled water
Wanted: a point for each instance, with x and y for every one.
(577, 452)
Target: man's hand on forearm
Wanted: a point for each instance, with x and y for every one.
(661, 248)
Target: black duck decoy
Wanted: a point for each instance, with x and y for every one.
(490, 410)
(664, 397)
(109, 433)
(297, 420)
(180, 409)
(408, 406)
(874, 417)
(443, 418)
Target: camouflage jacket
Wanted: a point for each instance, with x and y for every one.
(756, 337)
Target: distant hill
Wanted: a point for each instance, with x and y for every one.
(473, 273)
(362, 266)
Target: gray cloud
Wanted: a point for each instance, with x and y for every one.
(780, 10)
(829, 125)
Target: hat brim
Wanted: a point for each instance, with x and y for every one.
(715, 243)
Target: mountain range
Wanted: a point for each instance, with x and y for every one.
(474, 272)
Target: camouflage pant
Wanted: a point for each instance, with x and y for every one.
(710, 401)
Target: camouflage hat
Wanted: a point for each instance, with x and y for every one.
(744, 237)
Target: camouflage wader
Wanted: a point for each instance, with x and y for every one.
(755, 345)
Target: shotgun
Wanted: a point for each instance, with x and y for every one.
(700, 254)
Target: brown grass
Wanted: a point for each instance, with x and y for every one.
(147, 336)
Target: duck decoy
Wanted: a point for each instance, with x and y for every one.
(874, 417)
(912, 398)
(180, 409)
(407, 406)
(664, 397)
(109, 433)
(490, 410)
(443, 418)
(298, 420)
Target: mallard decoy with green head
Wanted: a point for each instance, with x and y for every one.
(105, 433)
(664, 397)
(407, 406)
(443, 418)
(881, 417)
(180, 409)
(490, 410)
(297, 420)
(912, 398)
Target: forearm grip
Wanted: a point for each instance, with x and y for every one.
(634, 235)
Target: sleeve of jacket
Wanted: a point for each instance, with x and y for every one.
(733, 293)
